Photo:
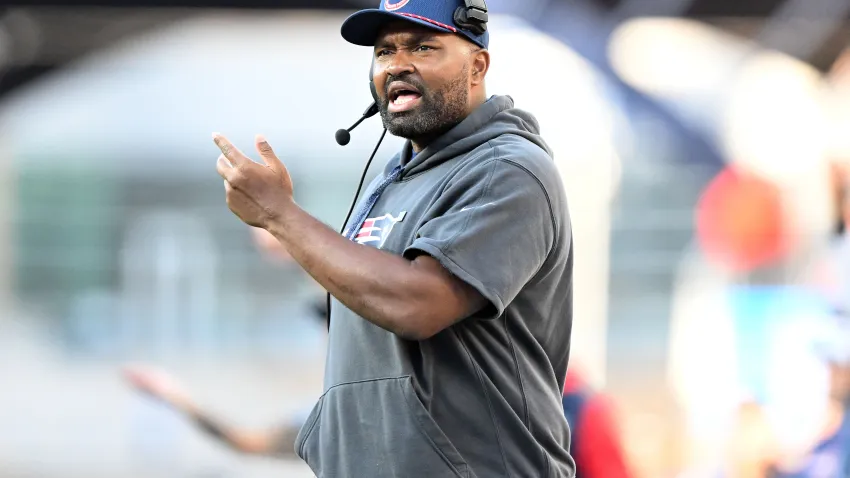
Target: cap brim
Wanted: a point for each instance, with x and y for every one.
(362, 28)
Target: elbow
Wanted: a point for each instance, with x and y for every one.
(416, 323)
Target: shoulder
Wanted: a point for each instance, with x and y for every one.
(522, 152)
(513, 157)
(526, 158)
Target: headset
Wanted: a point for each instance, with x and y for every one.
(372, 88)
(472, 17)
(343, 136)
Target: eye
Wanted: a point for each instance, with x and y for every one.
(382, 52)
(423, 48)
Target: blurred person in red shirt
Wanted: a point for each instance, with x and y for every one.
(595, 442)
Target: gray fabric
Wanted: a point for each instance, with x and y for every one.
(482, 398)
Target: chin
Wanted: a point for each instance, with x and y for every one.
(403, 125)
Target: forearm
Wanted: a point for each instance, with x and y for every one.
(212, 427)
(383, 288)
(274, 442)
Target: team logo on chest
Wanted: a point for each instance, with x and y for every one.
(375, 230)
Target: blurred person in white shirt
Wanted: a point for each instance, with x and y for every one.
(832, 271)
(756, 450)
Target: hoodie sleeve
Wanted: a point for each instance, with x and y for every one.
(492, 227)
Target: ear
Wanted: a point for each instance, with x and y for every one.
(480, 66)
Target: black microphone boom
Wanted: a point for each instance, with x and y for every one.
(343, 136)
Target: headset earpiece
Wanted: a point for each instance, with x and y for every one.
(472, 16)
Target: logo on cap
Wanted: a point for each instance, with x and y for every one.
(390, 6)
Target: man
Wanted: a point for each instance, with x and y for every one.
(452, 285)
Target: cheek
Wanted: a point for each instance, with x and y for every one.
(436, 87)
(434, 77)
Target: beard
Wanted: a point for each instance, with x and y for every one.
(438, 111)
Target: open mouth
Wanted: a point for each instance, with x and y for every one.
(402, 96)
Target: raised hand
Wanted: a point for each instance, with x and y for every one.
(256, 193)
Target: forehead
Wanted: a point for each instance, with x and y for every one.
(401, 32)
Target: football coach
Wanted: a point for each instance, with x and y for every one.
(451, 284)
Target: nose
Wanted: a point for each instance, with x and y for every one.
(399, 63)
(396, 66)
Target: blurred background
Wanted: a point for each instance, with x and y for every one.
(704, 145)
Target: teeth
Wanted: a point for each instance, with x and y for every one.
(404, 99)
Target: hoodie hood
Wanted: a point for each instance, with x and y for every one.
(497, 116)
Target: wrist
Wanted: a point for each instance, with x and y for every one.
(210, 426)
(283, 215)
(187, 407)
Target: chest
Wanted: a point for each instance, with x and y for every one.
(391, 221)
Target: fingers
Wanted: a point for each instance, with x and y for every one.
(229, 151)
(232, 194)
(225, 169)
(267, 153)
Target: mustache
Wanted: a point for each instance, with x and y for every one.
(406, 78)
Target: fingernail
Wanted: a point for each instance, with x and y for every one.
(261, 138)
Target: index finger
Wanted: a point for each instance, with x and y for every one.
(229, 151)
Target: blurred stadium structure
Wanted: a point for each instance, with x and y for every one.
(115, 244)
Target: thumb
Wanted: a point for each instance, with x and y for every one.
(267, 154)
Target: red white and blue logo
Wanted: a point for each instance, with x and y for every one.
(391, 6)
(375, 230)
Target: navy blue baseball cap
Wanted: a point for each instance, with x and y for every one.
(362, 28)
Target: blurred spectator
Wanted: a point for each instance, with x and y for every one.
(277, 441)
(832, 272)
(595, 441)
(755, 452)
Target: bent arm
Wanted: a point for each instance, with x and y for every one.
(414, 299)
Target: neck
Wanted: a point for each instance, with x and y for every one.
(477, 99)
(419, 144)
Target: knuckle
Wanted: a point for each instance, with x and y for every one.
(236, 178)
